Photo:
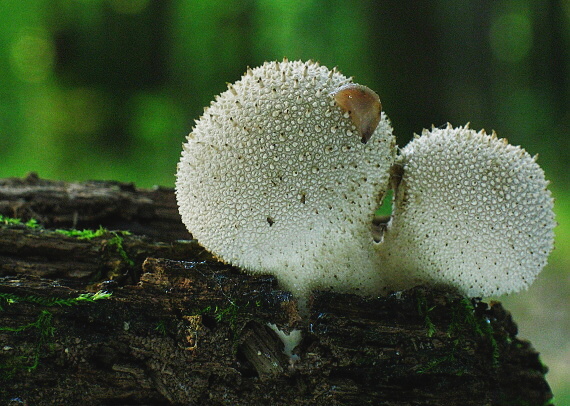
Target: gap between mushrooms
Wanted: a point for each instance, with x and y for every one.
(284, 171)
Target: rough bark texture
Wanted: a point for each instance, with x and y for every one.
(117, 206)
(183, 329)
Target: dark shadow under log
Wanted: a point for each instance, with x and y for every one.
(180, 328)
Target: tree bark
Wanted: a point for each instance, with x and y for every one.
(180, 328)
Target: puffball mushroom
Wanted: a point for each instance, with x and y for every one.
(470, 211)
(275, 177)
(283, 173)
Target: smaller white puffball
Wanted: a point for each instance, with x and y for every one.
(471, 211)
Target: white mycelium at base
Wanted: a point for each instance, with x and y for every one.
(290, 340)
(471, 211)
(275, 178)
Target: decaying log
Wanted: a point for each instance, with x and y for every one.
(180, 328)
(117, 206)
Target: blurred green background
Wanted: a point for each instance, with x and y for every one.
(108, 89)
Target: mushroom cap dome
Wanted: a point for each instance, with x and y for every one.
(274, 178)
(470, 211)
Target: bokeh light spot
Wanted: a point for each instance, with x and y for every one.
(32, 56)
(155, 116)
(511, 36)
(84, 111)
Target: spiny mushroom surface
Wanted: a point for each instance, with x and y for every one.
(470, 211)
(283, 172)
(277, 177)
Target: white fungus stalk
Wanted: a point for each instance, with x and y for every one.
(278, 177)
(470, 211)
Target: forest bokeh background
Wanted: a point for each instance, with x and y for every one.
(108, 89)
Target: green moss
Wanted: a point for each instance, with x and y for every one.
(10, 221)
(424, 311)
(45, 331)
(83, 234)
(160, 328)
(463, 325)
(464, 319)
(117, 242)
(227, 314)
(438, 364)
(9, 298)
(42, 326)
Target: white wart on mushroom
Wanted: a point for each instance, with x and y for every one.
(277, 178)
(471, 211)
